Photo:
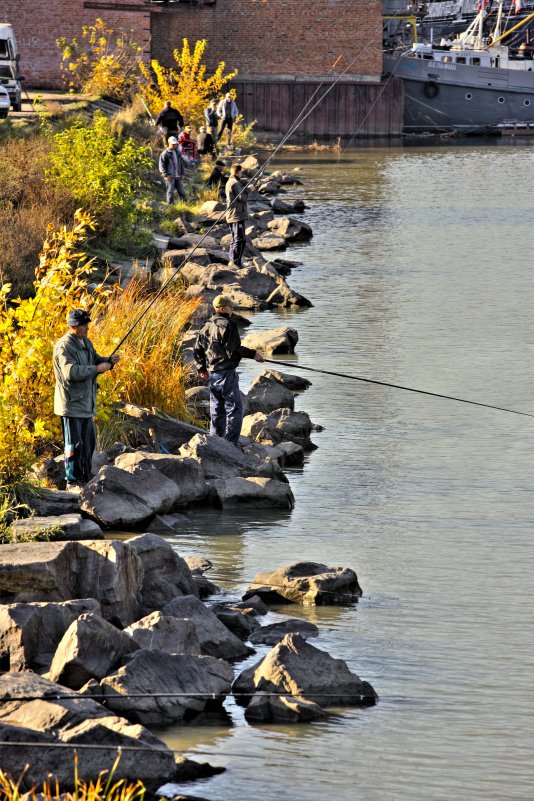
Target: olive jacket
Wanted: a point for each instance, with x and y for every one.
(236, 200)
(75, 362)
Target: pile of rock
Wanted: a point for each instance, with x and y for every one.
(99, 639)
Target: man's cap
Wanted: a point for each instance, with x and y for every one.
(221, 302)
(78, 317)
(172, 140)
(220, 163)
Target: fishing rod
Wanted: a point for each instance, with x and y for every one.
(301, 117)
(398, 386)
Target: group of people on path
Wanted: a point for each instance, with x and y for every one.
(217, 351)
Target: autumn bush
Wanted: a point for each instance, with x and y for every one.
(187, 86)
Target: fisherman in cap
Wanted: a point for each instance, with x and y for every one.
(218, 351)
(76, 365)
(171, 166)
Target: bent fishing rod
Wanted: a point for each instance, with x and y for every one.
(300, 118)
(396, 386)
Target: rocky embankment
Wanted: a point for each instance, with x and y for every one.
(102, 638)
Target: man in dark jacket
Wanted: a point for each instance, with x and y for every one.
(170, 119)
(76, 366)
(237, 213)
(218, 351)
(171, 166)
(217, 179)
(205, 143)
(212, 119)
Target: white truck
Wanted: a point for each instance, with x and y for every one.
(9, 65)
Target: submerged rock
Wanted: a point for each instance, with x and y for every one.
(270, 635)
(278, 426)
(308, 583)
(282, 709)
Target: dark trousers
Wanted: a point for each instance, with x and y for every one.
(226, 123)
(79, 436)
(239, 240)
(226, 405)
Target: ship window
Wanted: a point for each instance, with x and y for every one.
(447, 59)
(468, 96)
(500, 100)
(526, 102)
(461, 60)
(475, 62)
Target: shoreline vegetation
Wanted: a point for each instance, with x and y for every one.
(104, 638)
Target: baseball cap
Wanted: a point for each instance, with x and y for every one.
(172, 140)
(221, 301)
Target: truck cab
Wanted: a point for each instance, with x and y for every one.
(9, 65)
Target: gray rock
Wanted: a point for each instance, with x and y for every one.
(269, 241)
(198, 564)
(274, 340)
(285, 453)
(236, 620)
(253, 492)
(254, 605)
(61, 527)
(109, 571)
(166, 523)
(270, 635)
(290, 229)
(120, 499)
(295, 383)
(214, 637)
(282, 709)
(250, 164)
(158, 632)
(169, 431)
(282, 295)
(49, 502)
(310, 583)
(221, 459)
(297, 668)
(31, 632)
(154, 672)
(266, 395)
(90, 649)
(74, 720)
(184, 473)
(212, 209)
(279, 426)
(165, 574)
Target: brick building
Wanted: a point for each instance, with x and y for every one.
(283, 50)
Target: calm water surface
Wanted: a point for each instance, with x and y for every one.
(420, 272)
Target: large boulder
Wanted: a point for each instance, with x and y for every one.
(266, 394)
(290, 229)
(287, 454)
(279, 426)
(309, 584)
(90, 649)
(269, 240)
(296, 668)
(60, 527)
(221, 459)
(158, 632)
(168, 431)
(184, 473)
(239, 621)
(275, 340)
(295, 383)
(252, 492)
(165, 573)
(183, 685)
(215, 639)
(31, 632)
(109, 571)
(73, 720)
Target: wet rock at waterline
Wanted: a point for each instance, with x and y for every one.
(236, 620)
(279, 426)
(274, 340)
(31, 632)
(214, 638)
(270, 635)
(158, 632)
(308, 583)
(290, 229)
(220, 459)
(266, 395)
(90, 649)
(165, 573)
(287, 454)
(74, 720)
(299, 669)
(282, 709)
(252, 492)
(201, 678)
(295, 383)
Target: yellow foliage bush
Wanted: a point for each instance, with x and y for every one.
(103, 61)
(188, 87)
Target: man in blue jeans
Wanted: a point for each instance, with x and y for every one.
(218, 351)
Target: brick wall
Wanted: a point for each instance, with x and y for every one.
(37, 24)
(277, 38)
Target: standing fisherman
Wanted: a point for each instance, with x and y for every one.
(237, 213)
(76, 365)
(218, 351)
(171, 166)
(170, 120)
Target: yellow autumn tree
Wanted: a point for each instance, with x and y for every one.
(188, 86)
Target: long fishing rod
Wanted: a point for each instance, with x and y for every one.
(301, 117)
(397, 386)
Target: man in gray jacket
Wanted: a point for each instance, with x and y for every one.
(76, 366)
(171, 166)
(237, 213)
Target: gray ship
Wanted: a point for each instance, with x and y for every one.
(471, 84)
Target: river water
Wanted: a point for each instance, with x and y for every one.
(420, 271)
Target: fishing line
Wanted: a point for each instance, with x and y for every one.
(398, 386)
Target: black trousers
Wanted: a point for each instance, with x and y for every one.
(238, 243)
(79, 436)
